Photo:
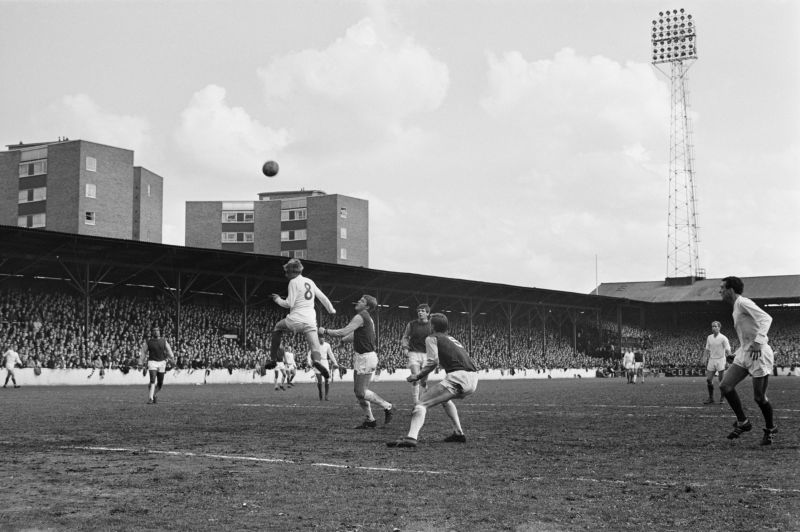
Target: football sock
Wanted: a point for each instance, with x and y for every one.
(373, 397)
(736, 405)
(417, 420)
(275, 344)
(766, 411)
(710, 389)
(452, 413)
(415, 392)
(367, 408)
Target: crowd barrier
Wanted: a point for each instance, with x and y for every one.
(112, 377)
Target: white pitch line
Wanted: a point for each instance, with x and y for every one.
(252, 459)
(660, 484)
(418, 471)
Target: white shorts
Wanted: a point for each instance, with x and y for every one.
(638, 365)
(716, 364)
(297, 325)
(324, 364)
(461, 383)
(364, 363)
(415, 358)
(280, 366)
(159, 366)
(291, 367)
(761, 367)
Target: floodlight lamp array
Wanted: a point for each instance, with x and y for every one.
(674, 37)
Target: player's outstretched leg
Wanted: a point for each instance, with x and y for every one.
(275, 344)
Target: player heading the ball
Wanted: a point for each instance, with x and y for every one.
(302, 318)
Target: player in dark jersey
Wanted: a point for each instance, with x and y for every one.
(461, 380)
(156, 351)
(413, 343)
(361, 331)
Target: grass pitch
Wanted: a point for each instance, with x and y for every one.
(581, 454)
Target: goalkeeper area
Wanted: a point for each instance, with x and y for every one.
(570, 454)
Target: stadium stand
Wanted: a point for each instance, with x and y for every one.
(69, 301)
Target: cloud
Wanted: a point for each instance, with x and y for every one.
(363, 86)
(223, 139)
(589, 102)
(79, 117)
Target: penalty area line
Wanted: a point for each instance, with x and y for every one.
(249, 459)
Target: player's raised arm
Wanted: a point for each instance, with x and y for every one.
(324, 300)
(346, 331)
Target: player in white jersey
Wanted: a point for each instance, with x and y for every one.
(11, 360)
(302, 318)
(754, 357)
(629, 365)
(289, 366)
(717, 351)
(328, 360)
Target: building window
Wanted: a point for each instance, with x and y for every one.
(298, 234)
(91, 164)
(343, 233)
(294, 254)
(33, 154)
(233, 237)
(32, 220)
(91, 190)
(293, 214)
(89, 218)
(343, 212)
(148, 190)
(343, 253)
(32, 194)
(234, 217)
(33, 168)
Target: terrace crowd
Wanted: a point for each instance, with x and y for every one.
(50, 329)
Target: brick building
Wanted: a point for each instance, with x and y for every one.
(76, 186)
(307, 224)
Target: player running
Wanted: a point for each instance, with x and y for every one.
(156, 351)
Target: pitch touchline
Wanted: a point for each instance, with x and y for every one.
(251, 459)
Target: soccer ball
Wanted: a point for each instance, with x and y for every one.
(270, 168)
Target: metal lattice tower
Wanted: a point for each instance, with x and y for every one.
(674, 40)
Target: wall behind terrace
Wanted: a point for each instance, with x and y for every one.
(84, 377)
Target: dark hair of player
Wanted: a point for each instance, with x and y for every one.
(439, 322)
(735, 283)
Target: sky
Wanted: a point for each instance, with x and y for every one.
(522, 142)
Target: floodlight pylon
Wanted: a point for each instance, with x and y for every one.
(674, 40)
